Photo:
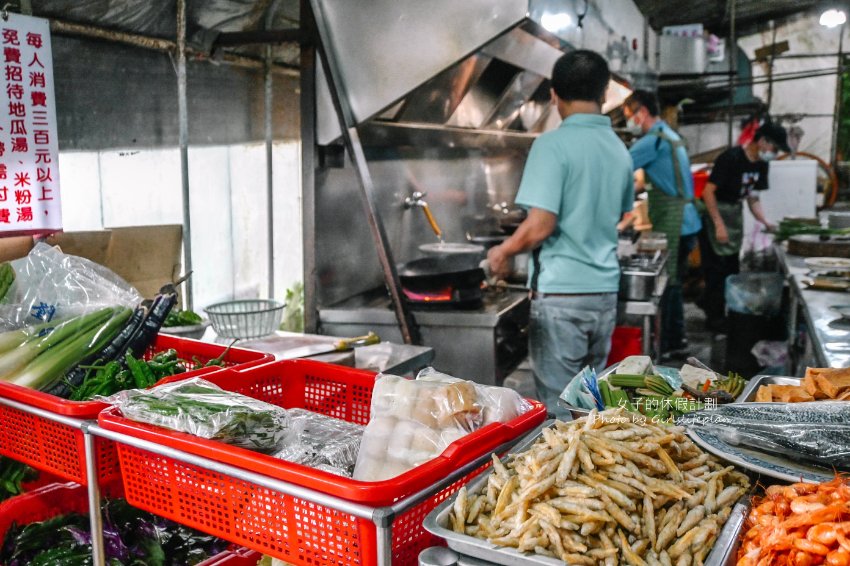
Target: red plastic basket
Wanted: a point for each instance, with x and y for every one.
(295, 530)
(241, 557)
(59, 449)
(59, 499)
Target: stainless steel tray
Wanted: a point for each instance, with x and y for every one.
(437, 523)
(749, 393)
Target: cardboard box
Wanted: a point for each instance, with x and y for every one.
(146, 257)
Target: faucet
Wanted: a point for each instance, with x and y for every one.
(417, 199)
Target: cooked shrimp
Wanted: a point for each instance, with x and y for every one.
(811, 547)
(800, 558)
(838, 557)
(799, 525)
(802, 505)
(827, 533)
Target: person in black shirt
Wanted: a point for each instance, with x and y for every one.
(739, 173)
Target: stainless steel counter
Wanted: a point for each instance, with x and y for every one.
(483, 344)
(828, 334)
(398, 359)
(376, 307)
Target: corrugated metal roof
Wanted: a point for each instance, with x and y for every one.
(157, 18)
(715, 14)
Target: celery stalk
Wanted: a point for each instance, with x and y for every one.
(47, 368)
(15, 360)
(13, 338)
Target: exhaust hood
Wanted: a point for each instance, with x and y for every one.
(447, 72)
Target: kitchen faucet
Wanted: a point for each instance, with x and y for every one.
(417, 199)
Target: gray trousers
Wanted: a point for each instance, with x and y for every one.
(567, 333)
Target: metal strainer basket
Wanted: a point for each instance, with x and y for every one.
(251, 318)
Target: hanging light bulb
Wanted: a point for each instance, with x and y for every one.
(832, 18)
(556, 22)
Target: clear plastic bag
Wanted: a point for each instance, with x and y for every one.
(321, 442)
(815, 431)
(50, 285)
(754, 293)
(413, 421)
(576, 392)
(770, 353)
(498, 404)
(198, 407)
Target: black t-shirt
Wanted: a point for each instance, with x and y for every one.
(736, 177)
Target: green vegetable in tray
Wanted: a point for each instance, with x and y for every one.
(131, 538)
(12, 475)
(198, 407)
(791, 227)
(109, 379)
(182, 318)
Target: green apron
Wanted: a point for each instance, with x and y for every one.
(733, 219)
(666, 212)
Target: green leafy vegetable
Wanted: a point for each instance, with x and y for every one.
(182, 318)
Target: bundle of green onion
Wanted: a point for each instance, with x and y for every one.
(792, 227)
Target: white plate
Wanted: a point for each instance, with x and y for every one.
(765, 464)
(827, 262)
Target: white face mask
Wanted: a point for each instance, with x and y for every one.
(767, 155)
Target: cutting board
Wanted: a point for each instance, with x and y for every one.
(809, 245)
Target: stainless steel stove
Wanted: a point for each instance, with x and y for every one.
(483, 344)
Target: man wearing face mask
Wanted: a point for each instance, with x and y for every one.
(661, 153)
(738, 173)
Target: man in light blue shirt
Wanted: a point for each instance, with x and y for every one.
(576, 185)
(662, 155)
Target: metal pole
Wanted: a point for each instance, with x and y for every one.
(833, 150)
(733, 68)
(269, 107)
(95, 519)
(308, 170)
(351, 137)
(384, 549)
(770, 66)
(183, 119)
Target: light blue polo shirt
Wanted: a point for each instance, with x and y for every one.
(655, 156)
(581, 172)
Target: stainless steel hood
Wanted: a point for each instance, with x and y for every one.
(412, 66)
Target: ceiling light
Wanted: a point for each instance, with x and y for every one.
(556, 22)
(832, 18)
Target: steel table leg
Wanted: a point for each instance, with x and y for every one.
(647, 335)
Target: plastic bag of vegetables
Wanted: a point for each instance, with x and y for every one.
(198, 407)
(49, 286)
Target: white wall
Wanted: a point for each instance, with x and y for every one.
(814, 95)
(709, 136)
(228, 209)
(608, 21)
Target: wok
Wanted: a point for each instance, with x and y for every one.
(432, 273)
(512, 219)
